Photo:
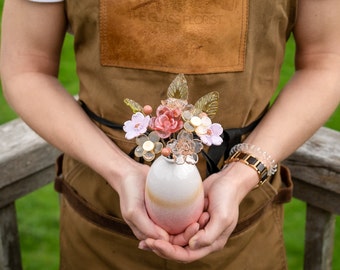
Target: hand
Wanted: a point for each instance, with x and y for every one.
(183, 238)
(224, 192)
(131, 193)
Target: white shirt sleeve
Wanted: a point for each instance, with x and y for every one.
(46, 1)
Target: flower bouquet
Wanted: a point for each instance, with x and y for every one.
(174, 195)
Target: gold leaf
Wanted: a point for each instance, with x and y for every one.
(135, 106)
(178, 88)
(208, 103)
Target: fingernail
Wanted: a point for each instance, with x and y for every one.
(193, 243)
(143, 246)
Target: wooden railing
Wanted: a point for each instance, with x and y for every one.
(27, 163)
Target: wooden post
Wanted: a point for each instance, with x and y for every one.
(319, 239)
(10, 257)
(2, 255)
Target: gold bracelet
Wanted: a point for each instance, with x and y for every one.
(252, 162)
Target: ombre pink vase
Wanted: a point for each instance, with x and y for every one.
(174, 195)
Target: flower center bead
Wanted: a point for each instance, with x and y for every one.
(148, 146)
(196, 121)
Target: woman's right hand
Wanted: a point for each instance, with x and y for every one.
(131, 189)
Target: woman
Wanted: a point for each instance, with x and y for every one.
(134, 49)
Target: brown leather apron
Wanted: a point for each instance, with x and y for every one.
(134, 49)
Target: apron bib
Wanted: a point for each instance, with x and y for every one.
(133, 49)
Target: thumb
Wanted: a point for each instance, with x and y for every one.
(215, 230)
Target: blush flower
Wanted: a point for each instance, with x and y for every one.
(136, 126)
(185, 148)
(166, 121)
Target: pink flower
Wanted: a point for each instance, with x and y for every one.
(167, 121)
(212, 135)
(136, 126)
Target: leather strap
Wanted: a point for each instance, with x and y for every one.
(99, 119)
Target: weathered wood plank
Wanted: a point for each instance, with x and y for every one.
(26, 185)
(9, 239)
(22, 152)
(315, 168)
(319, 239)
(325, 199)
(322, 149)
(318, 160)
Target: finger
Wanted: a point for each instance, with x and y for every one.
(143, 246)
(203, 220)
(206, 204)
(151, 231)
(216, 229)
(143, 227)
(183, 238)
(177, 253)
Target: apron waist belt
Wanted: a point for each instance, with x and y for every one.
(230, 137)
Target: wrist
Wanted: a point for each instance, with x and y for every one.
(126, 169)
(258, 166)
(241, 177)
(255, 158)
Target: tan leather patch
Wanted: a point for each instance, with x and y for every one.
(179, 36)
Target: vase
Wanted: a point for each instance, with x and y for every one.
(174, 196)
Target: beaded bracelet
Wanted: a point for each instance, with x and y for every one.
(258, 153)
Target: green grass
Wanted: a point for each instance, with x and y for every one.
(38, 219)
(38, 212)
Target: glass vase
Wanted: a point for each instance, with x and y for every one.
(174, 194)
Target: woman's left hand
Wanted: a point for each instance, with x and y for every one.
(224, 191)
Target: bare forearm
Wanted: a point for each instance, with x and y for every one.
(303, 106)
(314, 91)
(42, 102)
